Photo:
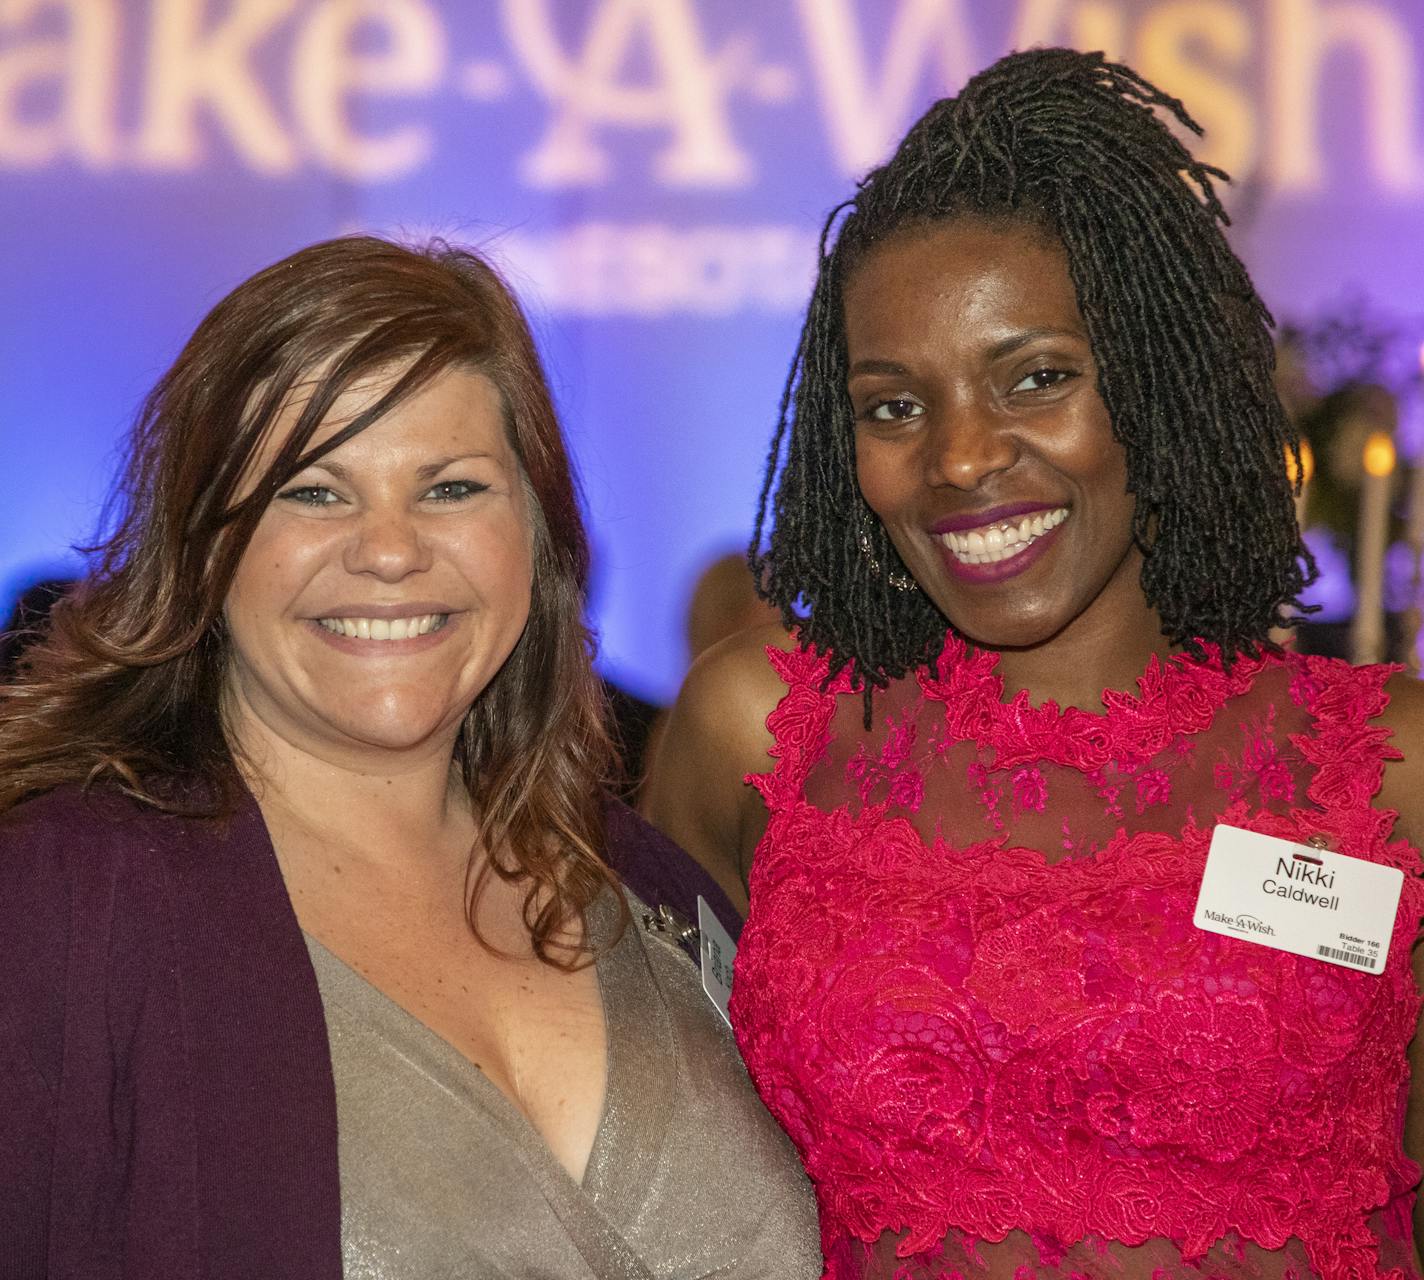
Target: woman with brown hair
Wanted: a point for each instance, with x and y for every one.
(316, 955)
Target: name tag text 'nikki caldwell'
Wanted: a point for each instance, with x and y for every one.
(1303, 883)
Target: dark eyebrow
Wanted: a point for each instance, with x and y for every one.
(1007, 346)
(432, 469)
(1004, 347)
(427, 472)
(888, 367)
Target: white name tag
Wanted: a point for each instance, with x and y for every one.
(1297, 898)
(718, 952)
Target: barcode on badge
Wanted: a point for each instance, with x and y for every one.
(1345, 957)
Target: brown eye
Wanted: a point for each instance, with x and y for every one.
(895, 410)
(1041, 379)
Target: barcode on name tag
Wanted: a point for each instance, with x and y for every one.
(1345, 957)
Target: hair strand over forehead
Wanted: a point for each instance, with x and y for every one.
(128, 684)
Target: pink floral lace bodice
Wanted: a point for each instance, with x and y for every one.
(971, 990)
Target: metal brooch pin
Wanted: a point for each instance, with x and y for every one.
(666, 920)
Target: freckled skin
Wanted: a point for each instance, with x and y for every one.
(974, 386)
(385, 537)
(426, 511)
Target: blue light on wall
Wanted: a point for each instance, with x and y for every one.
(652, 175)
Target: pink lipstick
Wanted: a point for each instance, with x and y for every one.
(999, 542)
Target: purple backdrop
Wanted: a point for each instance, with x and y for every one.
(652, 174)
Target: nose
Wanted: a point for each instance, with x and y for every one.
(967, 446)
(387, 544)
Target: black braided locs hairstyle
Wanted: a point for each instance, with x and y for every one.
(1067, 142)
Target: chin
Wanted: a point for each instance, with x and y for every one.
(388, 738)
(998, 631)
(402, 727)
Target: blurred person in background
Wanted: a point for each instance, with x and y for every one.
(724, 602)
(317, 959)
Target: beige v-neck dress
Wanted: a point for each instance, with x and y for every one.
(443, 1178)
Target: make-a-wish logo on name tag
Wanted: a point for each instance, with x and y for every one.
(1297, 898)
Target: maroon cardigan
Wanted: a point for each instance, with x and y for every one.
(166, 1099)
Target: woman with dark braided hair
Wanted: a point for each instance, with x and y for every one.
(1081, 914)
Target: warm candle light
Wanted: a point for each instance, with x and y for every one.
(1379, 455)
(1306, 470)
(1299, 477)
(1371, 540)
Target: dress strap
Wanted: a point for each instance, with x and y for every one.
(1349, 750)
(800, 722)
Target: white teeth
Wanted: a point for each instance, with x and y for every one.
(996, 542)
(385, 628)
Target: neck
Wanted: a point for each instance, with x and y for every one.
(1093, 654)
(401, 812)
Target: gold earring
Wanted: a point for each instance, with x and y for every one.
(896, 579)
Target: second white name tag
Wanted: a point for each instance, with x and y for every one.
(718, 954)
(1297, 898)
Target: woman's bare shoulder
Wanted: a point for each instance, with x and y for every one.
(733, 686)
(716, 735)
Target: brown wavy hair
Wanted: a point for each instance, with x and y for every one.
(126, 686)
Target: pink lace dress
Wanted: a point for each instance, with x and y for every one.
(971, 990)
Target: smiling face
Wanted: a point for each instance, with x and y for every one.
(981, 441)
(387, 583)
